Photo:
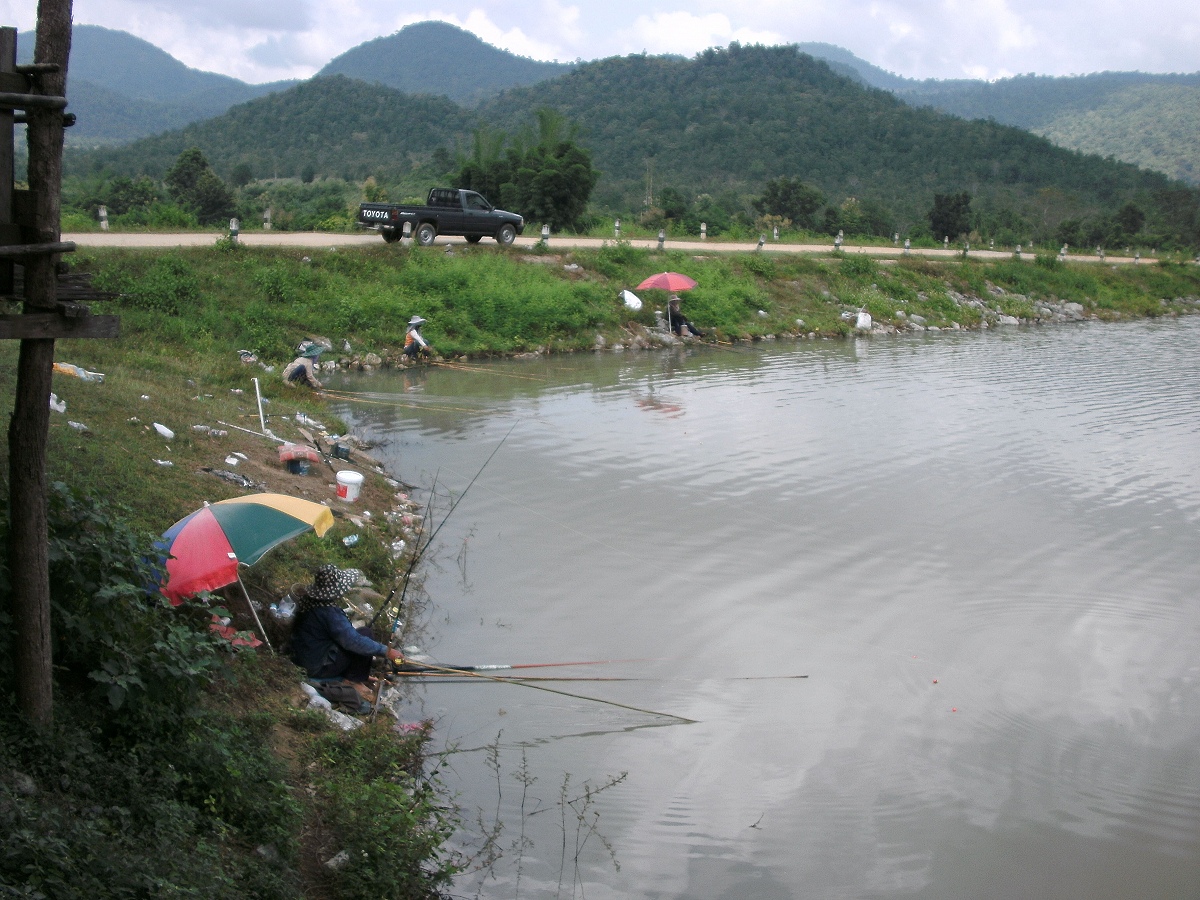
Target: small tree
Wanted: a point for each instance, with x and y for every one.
(950, 215)
(792, 199)
(550, 181)
(1130, 219)
(196, 187)
(242, 175)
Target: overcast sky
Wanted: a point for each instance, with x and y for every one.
(267, 40)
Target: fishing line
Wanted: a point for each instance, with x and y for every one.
(346, 397)
(541, 687)
(420, 551)
(485, 371)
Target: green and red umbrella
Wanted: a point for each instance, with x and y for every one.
(206, 547)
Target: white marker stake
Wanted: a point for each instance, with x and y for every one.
(257, 393)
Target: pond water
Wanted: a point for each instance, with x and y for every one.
(981, 550)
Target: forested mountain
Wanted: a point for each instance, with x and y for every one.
(333, 126)
(121, 87)
(1152, 121)
(1149, 120)
(438, 58)
(846, 63)
(731, 119)
(721, 124)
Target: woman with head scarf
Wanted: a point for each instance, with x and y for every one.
(324, 643)
(302, 370)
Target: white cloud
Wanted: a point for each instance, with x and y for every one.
(688, 33)
(514, 40)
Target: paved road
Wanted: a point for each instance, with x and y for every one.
(313, 239)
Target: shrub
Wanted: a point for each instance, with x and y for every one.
(168, 284)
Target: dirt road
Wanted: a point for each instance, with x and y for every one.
(317, 240)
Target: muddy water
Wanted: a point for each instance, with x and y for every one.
(981, 549)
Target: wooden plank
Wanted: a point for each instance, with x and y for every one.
(10, 100)
(37, 249)
(13, 83)
(39, 326)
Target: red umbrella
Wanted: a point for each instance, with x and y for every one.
(206, 547)
(668, 281)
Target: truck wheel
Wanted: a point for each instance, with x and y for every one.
(506, 235)
(426, 232)
(473, 239)
(391, 236)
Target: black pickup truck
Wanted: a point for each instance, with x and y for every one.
(448, 211)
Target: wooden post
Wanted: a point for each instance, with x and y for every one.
(9, 233)
(28, 560)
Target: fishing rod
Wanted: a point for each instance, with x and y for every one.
(420, 551)
(430, 667)
(444, 678)
(412, 562)
(541, 687)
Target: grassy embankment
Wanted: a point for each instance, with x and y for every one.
(207, 779)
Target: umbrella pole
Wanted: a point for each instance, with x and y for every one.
(254, 613)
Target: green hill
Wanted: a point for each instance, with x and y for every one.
(1155, 126)
(333, 126)
(1149, 120)
(731, 119)
(721, 124)
(438, 58)
(1152, 121)
(121, 87)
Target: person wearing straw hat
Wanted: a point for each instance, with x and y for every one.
(414, 343)
(302, 370)
(324, 643)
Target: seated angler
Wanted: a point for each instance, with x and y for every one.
(324, 642)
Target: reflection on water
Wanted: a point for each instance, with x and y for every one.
(980, 548)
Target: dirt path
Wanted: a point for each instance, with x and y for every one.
(313, 239)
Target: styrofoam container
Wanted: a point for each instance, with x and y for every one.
(348, 485)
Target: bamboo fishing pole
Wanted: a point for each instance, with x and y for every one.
(550, 690)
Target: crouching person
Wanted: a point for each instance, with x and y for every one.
(324, 643)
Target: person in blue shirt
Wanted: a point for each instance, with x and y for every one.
(324, 643)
